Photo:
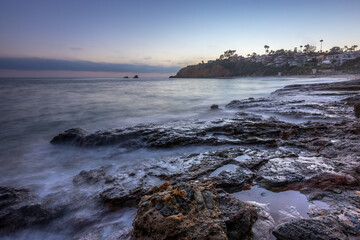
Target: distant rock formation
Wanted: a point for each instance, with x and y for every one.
(136, 76)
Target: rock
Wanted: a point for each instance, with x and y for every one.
(318, 228)
(118, 196)
(73, 135)
(230, 181)
(214, 107)
(89, 177)
(239, 217)
(190, 212)
(262, 228)
(357, 109)
(20, 209)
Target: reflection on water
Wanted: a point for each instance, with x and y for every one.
(282, 205)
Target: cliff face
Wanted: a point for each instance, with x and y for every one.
(224, 68)
(204, 71)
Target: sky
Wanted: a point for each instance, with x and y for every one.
(158, 37)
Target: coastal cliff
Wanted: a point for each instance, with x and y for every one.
(227, 68)
(244, 68)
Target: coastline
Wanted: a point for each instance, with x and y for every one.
(316, 157)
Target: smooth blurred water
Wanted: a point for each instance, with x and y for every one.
(32, 111)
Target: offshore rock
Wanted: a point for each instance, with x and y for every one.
(183, 211)
(20, 209)
(318, 228)
(214, 107)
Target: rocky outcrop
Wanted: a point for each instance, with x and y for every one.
(183, 211)
(318, 228)
(20, 209)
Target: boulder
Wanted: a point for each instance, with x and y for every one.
(183, 211)
(318, 228)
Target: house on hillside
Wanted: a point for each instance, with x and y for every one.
(340, 58)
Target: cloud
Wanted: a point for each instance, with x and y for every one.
(75, 49)
(147, 58)
(46, 64)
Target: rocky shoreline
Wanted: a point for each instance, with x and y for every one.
(302, 137)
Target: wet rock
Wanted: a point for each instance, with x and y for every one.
(190, 218)
(118, 196)
(264, 224)
(105, 232)
(20, 209)
(89, 177)
(214, 107)
(73, 135)
(230, 181)
(357, 109)
(239, 217)
(319, 228)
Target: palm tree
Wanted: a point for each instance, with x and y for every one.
(355, 47)
(321, 41)
(301, 46)
(266, 48)
(346, 48)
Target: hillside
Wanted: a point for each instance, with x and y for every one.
(226, 68)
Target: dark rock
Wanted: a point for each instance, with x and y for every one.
(214, 107)
(89, 177)
(73, 135)
(118, 197)
(318, 228)
(239, 217)
(20, 209)
(357, 109)
(168, 211)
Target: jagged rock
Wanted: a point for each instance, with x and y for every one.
(183, 211)
(318, 228)
(239, 217)
(20, 209)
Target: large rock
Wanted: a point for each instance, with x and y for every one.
(20, 209)
(239, 217)
(318, 228)
(184, 211)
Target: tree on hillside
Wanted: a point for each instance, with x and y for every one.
(354, 47)
(266, 48)
(309, 48)
(229, 53)
(335, 50)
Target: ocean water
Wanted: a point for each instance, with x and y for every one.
(33, 111)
